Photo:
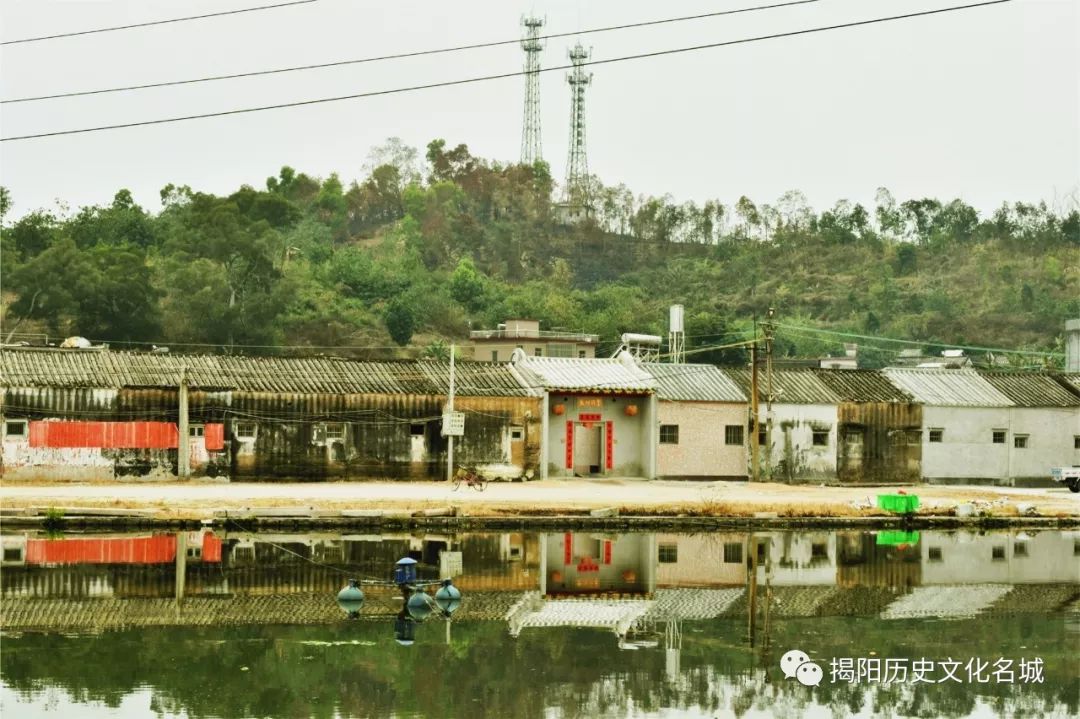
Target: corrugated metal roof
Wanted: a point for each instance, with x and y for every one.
(317, 375)
(1031, 389)
(617, 375)
(789, 386)
(862, 385)
(693, 383)
(947, 387)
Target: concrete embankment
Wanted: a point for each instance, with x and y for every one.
(604, 505)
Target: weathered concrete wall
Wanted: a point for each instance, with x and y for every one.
(631, 445)
(802, 559)
(701, 451)
(967, 450)
(284, 435)
(794, 456)
(379, 436)
(879, 442)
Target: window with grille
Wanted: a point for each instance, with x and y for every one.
(668, 553)
(196, 430)
(733, 553)
(244, 429)
(999, 436)
(733, 434)
(669, 434)
(335, 430)
(821, 438)
(936, 435)
(1020, 441)
(15, 428)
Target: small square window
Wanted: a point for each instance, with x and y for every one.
(1020, 441)
(539, 351)
(819, 550)
(821, 438)
(999, 436)
(668, 553)
(416, 430)
(1020, 549)
(581, 354)
(13, 554)
(998, 553)
(669, 434)
(853, 436)
(733, 434)
(15, 428)
(517, 433)
(934, 554)
(335, 430)
(1076, 441)
(732, 553)
(936, 436)
(244, 429)
(196, 430)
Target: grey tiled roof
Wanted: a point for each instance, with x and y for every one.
(1031, 389)
(608, 376)
(861, 385)
(693, 383)
(789, 386)
(318, 375)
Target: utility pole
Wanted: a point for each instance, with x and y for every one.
(183, 443)
(449, 413)
(768, 327)
(754, 470)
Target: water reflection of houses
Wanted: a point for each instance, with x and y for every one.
(634, 584)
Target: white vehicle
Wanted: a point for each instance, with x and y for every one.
(1069, 476)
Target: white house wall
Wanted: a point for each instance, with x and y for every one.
(634, 436)
(967, 450)
(1050, 431)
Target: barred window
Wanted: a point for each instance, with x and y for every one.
(669, 434)
(733, 434)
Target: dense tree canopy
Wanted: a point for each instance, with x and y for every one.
(417, 254)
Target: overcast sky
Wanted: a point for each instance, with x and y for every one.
(982, 104)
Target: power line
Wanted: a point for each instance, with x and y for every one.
(501, 76)
(919, 342)
(398, 56)
(155, 22)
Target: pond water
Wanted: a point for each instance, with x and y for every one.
(561, 624)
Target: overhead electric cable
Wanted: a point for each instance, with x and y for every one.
(483, 78)
(918, 343)
(402, 55)
(155, 22)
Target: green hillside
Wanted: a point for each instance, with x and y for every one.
(414, 254)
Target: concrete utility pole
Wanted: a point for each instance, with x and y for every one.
(449, 413)
(183, 443)
(769, 328)
(753, 413)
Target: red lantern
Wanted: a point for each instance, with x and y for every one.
(631, 410)
(556, 577)
(558, 409)
(629, 576)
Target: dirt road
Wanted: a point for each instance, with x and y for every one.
(194, 499)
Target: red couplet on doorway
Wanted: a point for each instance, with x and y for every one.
(609, 445)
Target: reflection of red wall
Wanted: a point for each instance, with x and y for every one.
(158, 549)
(118, 435)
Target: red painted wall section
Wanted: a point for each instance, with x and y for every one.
(214, 434)
(159, 549)
(117, 435)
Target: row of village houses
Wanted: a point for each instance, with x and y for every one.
(97, 414)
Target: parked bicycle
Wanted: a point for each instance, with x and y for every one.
(471, 478)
